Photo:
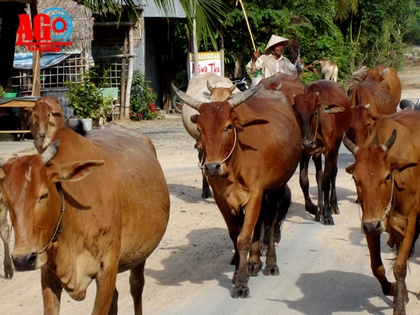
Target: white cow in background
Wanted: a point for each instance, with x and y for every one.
(329, 70)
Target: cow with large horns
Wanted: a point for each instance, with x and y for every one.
(86, 209)
(386, 173)
(205, 87)
(324, 114)
(251, 148)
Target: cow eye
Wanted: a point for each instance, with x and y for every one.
(388, 177)
(43, 197)
(229, 127)
(199, 130)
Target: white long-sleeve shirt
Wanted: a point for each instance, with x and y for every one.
(269, 66)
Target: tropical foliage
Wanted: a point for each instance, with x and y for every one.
(142, 99)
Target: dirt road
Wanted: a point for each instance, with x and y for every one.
(323, 269)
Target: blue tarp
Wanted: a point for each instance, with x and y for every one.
(23, 61)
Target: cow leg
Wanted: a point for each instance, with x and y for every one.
(319, 175)
(51, 291)
(378, 269)
(254, 261)
(304, 183)
(244, 245)
(113, 310)
(333, 178)
(105, 288)
(279, 204)
(326, 186)
(5, 237)
(400, 266)
(136, 287)
(205, 190)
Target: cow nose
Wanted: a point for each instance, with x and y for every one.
(372, 227)
(212, 168)
(41, 134)
(308, 143)
(25, 263)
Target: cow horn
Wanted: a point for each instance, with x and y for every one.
(350, 145)
(49, 152)
(390, 142)
(188, 100)
(209, 87)
(239, 98)
(279, 86)
(233, 87)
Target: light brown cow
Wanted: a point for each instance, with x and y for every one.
(287, 84)
(251, 148)
(389, 76)
(324, 114)
(377, 94)
(114, 205)
(46, 117)
(387, 178)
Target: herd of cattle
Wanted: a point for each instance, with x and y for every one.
(74, 205)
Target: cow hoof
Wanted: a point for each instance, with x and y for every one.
(317, 217)
(271, 271)
(254, 268)
(8, 272)
(312, 209)
(336, 210)
(329, 221)
(240, 292)
(206, 194)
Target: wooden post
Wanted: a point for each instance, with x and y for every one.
(36, 59)
(123, 76)
(130, 71)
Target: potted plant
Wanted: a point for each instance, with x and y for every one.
(142, 99)
(86, 99)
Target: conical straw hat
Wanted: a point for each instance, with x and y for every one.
(275, 40)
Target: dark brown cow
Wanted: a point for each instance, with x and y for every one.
(114, 205)
(387, 179)
(46, 117)
(368, 100)
(324, 114)
(251, 150)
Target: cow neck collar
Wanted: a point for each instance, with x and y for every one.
(391, 201)
(58, 229)
(235, 141)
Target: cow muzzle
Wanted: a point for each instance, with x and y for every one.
(212, 169)
(25, 262)
(372, 227)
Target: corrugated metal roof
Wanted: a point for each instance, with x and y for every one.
(150, 9)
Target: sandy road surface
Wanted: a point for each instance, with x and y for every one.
(323, 269)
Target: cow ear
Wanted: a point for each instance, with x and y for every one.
(350, 169)
(400, 164)
(29, 109)
(206, 95)
(332, 108)
(194, 118)
(77, 170)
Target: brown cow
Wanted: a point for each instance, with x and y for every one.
(220, 88)
(389, 76)
(288, 84)
(324, 114)
(46, 117)
(250, 152)
(368, 100)
(111, 219)
(387, 179)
